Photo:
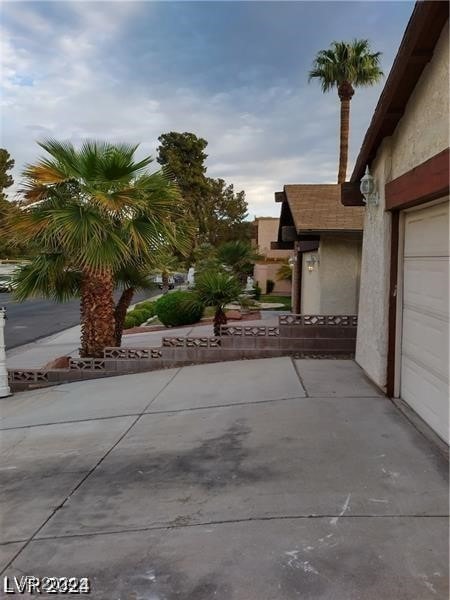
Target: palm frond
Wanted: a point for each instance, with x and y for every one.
(351, 62)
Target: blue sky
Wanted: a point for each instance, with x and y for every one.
(234, 73)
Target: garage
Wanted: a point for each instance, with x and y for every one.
(424, 359)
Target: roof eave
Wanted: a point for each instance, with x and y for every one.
(415, 51)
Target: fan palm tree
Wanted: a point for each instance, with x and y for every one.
(284, 272)
(97, 209)
(129, 279)
(239, 256)
(217, 289)
(50, 276)
(346, 65)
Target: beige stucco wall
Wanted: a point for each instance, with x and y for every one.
(267, 233)
(339, 270)
(264, 271)
(310, 299)
(423, 130)
(332, 288)
(421, 133)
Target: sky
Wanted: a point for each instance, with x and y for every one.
(234, 73)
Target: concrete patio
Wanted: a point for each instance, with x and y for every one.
(268, 479)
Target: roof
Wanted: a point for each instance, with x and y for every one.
(416, 50)
(317, 207)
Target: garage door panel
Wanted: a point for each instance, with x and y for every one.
(432, 351)
(424, 377)
(426, 232)
(433, 405)
(426, 285)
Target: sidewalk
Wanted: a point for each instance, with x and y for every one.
(66, 343)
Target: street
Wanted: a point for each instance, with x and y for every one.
(36, 318)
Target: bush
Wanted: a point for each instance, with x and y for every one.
(269, 286)
(130, 321)
(148, 305)
(258, 291)
(137, 316)
(177, 308)
(141, 314)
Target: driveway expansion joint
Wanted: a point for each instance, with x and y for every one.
(302, 385)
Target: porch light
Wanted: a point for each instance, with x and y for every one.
(368, 188)
(292, 261)
(311, 261)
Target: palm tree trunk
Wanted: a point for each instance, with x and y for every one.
(97, 313)
(220, 319)
(120, 312)
(345, 92)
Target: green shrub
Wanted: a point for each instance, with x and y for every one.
(269, 286)
(141, 315)
(130, 321)
(147, 305)
(258, 291)
(177, 308)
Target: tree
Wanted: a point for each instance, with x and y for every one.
(239, 256)
(218, 212)
(130, 278)
(217, 289)
(6, 164)
(182, 154)
(346, 65)
(6, 208)
(284, 273)
(93, 211)
(226, 214)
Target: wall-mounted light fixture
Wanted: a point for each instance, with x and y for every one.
(292, 260)
(311, 261)
(369, 189)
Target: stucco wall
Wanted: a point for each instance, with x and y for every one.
(424, 128)
(421, 133)
(310, 298)
(267, 233)
(264, 271)
(372, 336)
(332, 288)
(339, 272)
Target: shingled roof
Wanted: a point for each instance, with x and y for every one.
(318, 207)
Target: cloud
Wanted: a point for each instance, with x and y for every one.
(124, 71)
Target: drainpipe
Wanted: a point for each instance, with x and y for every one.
(4, 387)
(296, 293)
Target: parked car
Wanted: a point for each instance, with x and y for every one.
(158, 280)
(6, 284)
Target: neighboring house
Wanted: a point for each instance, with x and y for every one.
(325, 238)
(265, 231)
(403, 324)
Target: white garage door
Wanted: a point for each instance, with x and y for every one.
(424, 378)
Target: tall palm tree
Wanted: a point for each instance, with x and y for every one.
(98, 208)
(346, 65)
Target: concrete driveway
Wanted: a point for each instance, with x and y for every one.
(254, 480)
